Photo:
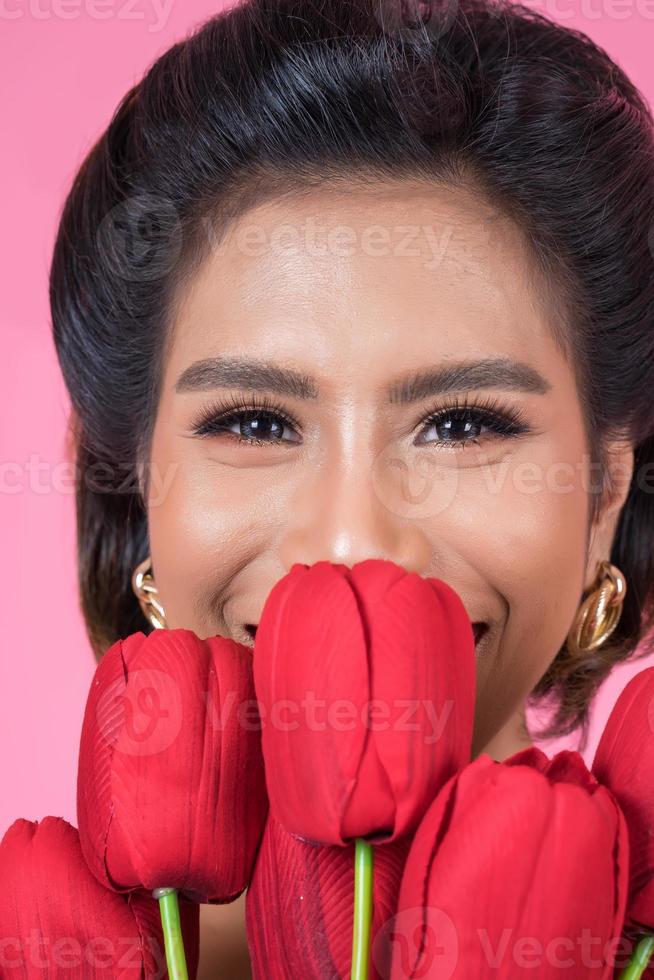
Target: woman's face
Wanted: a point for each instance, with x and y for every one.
(357, 318)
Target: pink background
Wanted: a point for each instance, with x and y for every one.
(64, 64)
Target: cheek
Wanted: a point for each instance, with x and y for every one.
(206, 522)
(524, 525)
(546, 534)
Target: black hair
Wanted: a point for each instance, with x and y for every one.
(276, 97)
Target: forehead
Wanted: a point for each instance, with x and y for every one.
(373, 276)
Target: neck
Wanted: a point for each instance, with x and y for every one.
(511, 738)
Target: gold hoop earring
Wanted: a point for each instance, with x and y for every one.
(146, 592)
(600, 612)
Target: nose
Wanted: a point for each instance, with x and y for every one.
(342, 518)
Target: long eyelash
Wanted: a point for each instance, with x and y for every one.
(226, 410)
(506, 420)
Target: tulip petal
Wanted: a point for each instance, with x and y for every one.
(300, 906)
(423, 670)
(171, 784)
(371, 637)
(310, 648)
(509, 865)
(624, 762)
(56, 919)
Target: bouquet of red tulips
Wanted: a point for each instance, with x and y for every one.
(329, 773)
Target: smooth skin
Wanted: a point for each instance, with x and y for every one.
(358, 290)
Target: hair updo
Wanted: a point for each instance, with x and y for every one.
(272, 97)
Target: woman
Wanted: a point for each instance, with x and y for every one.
(355, 278)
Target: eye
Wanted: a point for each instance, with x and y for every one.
(462, 425)
(262, 422)
(257, 422)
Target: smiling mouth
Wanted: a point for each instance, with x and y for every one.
(479, 630)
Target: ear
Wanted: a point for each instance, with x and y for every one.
(616, 483)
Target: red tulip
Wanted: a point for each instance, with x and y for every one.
(171, 786)
(300, 902)
(624, 761)
(366, 680)
(518, 868)
(56, 920)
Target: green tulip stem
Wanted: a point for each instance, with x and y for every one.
(363, 870)
(639, 959)
(172, 931)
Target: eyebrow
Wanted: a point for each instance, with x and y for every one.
(455, 376)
